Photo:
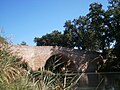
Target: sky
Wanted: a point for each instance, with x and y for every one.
(23, 20)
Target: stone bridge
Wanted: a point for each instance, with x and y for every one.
(38, 57)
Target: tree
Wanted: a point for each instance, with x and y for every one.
(114, 9)
(112, 22)
(68, 34)
(97, 16)
(52, 39)
(79, 34)
(23, 43)
(84, 35)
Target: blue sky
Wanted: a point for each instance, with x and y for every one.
(23, 20)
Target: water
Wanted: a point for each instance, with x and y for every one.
(99, 81)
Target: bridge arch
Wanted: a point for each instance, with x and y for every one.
(60, 63)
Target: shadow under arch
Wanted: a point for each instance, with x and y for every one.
(60, 63)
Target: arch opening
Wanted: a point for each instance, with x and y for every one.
(60, 63)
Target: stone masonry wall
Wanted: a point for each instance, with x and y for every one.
(36, 56)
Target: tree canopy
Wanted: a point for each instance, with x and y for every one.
(52, 39)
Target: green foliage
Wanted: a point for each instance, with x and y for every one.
(52, 39)
(96, 16)
(114, 9)
(23, 43)
(79, 34)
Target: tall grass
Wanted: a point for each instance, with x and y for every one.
(47, 80)
(9, 71)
